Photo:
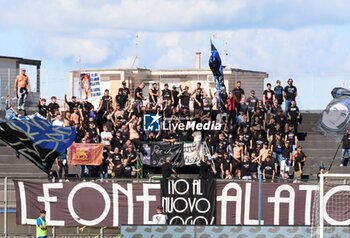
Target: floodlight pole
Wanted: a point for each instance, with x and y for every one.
(5, 207)
(321, 204)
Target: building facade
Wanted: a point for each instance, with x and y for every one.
(112, 79)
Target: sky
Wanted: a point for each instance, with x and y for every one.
(308, 41)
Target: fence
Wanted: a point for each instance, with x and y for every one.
(9, 228)
(264, 208)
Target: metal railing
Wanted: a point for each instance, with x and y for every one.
(9, 228)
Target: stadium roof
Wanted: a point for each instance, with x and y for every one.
(22, 60)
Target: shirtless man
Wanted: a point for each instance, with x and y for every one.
(264, 151)
(237, 158)
(75, 117)
(133, 123)
(21, 88)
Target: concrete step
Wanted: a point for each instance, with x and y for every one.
(320, 152)
(20, 168)
(12, 159)
(319, 144)
(21, 174)
(336, 169)
(6, 150)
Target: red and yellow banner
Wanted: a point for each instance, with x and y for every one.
(85, 154)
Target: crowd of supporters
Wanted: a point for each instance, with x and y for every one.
(257, 134)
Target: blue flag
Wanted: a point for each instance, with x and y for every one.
(215, 65)
(36, 139)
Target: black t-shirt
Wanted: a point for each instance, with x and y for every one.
(204, 170)
(132, 156)
(72, 105)
(87, 105)
(226, 164)
(118, 142)
(286, 152)
(175, 98)
(297, 161)
(268, 94)
(245, 168)
(124, 92)
(92, 132)
(166, 94)
(140, 92)
(238, 92)
(293, 112)
(43, 110)
(346, 142)
(153, 99)
(53, 107)
(199, 94)
(220, 151)
(170, 136)
(185, 99)
(290, 92)
(166, 170)
(252, 101)
(184, 136)
(246, 139)
(301, 156)
(117, 159)
(280, 119)
(106, 102)
(269, 167)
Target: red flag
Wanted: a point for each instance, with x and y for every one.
(85, 154)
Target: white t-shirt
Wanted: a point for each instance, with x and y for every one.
(159, 219)
(57, 123)
(104, 136)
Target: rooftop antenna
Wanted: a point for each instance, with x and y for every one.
(213, 36)
(226, 51)
(136, 48)
(344, 83)
(78, 61)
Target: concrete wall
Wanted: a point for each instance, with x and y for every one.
(8, 72)
(250, 79)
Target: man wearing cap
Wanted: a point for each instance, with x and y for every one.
(159, 218)
(41, 229)
(71, 104)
